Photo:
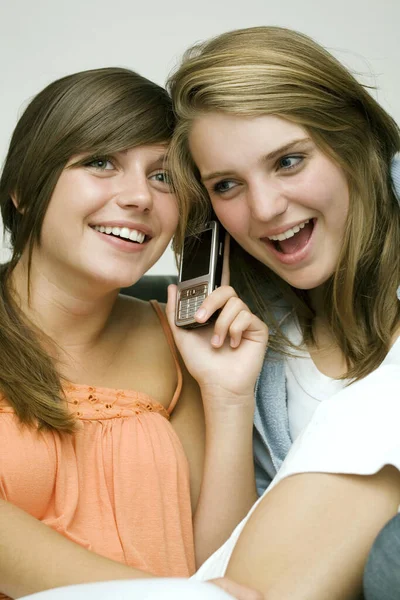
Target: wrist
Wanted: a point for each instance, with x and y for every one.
(233, 416)
(219, 397)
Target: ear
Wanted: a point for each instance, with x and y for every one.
(14, 199)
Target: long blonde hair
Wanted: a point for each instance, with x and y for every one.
(273, 70)
(100, 112)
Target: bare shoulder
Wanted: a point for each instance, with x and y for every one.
(146, 337)
(143, 325)
(130, 310)
(139, 322)
(145, 359)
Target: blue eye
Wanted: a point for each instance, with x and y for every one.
(162, 177)
(101, 163)
(289, 162)
(223, 186)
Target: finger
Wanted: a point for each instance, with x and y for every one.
(241, 323)
(225, 278)
(237, 590)
(257, 331)
(214, 302)
(225, 319)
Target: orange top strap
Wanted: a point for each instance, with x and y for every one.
(168, 334)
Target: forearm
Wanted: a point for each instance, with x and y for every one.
(310, 536)
(228, 486)
(34, 558)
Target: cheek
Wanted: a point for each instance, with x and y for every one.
(78, 197)
(334, 202)
(232, 216)
(170, 214)
(331, 190)
(53, 237)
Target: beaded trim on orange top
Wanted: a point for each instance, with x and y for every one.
(90, 402)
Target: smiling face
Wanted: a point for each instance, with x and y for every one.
(109, 218)
(278, 195)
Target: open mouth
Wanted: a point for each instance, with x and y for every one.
(124, 233)
(293, 240)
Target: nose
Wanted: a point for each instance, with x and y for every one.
(266, 200)
(135, 192)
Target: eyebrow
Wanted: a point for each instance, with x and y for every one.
(162, 160)
(270, 156)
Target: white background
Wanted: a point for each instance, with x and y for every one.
(42, 40)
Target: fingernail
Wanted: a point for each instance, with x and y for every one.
(215, 340)
(201, 313)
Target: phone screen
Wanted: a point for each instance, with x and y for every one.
(196, 255)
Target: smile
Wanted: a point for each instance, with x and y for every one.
(293, 245)
(289, 233)
(125, 233)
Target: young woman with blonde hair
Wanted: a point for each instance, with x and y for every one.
(298, 162)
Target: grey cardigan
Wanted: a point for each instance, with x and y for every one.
(271, 436)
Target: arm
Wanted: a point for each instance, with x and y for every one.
(221, 468)
(228, 484)
(49, 560)
(226, 376)
(310, 536)
(33, 557)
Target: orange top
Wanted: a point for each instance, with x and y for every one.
(119, 486)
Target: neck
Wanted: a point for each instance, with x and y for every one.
(317, 299)
(321, 330)
(69, 316)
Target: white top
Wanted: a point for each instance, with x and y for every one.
(355, 432)
(170, 588)
(306, 386)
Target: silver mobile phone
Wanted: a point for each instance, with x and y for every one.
(200, 272)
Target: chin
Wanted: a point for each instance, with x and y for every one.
(307, 282)
(110, 282)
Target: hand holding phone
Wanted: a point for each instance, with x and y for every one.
(226, 355)
(231, 351)
(200, 272)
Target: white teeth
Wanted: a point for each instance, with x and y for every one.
(289, 233)
(123, 232)
(136, 236)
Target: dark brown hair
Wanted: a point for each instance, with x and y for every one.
(101, 111)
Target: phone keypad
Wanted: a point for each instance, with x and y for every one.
(191, 300)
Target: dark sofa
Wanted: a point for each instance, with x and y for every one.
(151, 287)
